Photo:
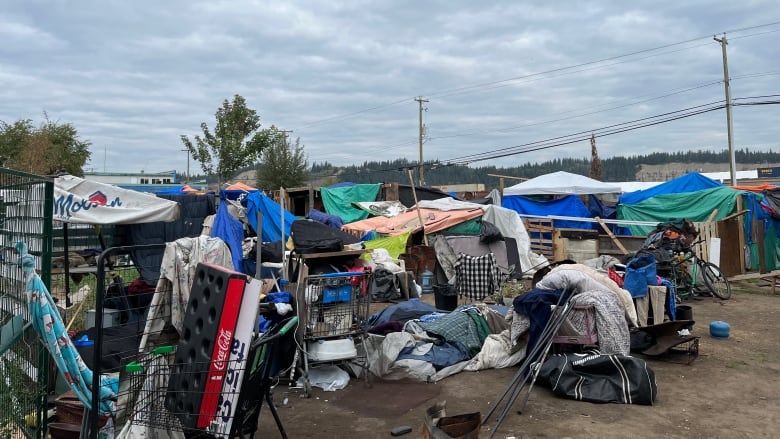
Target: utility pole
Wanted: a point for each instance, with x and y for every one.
(188, 165)
(732, 160)
(420, 101)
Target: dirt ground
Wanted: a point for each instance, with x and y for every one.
(731, 390)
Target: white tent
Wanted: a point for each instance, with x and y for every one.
(561, 183)
(88, 202)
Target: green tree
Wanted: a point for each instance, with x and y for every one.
(284, 164)
(50, 148)
(236, 141)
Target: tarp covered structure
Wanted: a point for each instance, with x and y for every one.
(276, 221)
(695, 206)
(687, 183)
(570, 206)
(561, 183)
(89, 202)
(338, 200)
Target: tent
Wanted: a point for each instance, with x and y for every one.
(687, 183)
(561, 183)
(89, 202)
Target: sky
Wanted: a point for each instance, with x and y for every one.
(500, 78)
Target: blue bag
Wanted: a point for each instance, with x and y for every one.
(640, 273)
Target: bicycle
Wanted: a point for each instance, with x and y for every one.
(703, 278)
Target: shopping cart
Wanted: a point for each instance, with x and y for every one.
(334, 310)
(154, 408)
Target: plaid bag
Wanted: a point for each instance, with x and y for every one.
(477, 276)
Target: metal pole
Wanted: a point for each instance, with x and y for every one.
(732, 160)
(188, 165)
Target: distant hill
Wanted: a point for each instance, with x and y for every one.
(652, 167)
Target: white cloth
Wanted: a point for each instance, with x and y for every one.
(579, 278)
(177, 272)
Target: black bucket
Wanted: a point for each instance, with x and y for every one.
(684, 312)
(445, 296)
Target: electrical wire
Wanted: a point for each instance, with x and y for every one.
(449, 92)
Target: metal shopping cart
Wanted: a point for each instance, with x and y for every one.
(154, 408)
(334, 313)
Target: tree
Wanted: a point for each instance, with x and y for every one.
(49, 149)
(284, 165)
(595, 161)
(236, 141)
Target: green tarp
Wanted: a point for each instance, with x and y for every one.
(338, 200)
(695, 206)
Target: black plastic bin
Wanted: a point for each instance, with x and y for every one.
(445, 296)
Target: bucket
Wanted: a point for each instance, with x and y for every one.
(684, 312)
(445, 297)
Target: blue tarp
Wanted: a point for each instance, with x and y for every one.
(272, 217)
(687, 183)
(231, 231)
(567, 206)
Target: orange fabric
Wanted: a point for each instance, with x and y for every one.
(238, 186)
(434, 220)
(764, 186)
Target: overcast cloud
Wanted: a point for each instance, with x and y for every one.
(133, 76)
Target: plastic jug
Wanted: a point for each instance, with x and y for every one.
(426, 281)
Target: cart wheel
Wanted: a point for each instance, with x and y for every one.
(306, 387)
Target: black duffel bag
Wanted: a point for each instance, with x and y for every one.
(595, 377)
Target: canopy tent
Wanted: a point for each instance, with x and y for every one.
(89, 202)
(687, 183)
(695, 206)
(561, 183)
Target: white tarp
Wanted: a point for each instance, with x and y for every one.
(88, 202)
(561, 183)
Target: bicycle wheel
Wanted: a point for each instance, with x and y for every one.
(718, 285)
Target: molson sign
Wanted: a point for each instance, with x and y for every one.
(66, 205)
(89, 202)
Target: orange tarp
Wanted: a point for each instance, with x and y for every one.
(434, 220)
(764, 186)
(238, 186)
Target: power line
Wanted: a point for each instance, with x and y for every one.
(448, 92)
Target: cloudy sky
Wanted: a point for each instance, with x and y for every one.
(502, 78)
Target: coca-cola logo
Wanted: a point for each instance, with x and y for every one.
(223, 348)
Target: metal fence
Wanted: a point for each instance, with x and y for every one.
(26, 203)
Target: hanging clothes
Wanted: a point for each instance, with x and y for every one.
(177, 272)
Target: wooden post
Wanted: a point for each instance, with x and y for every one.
(612, 236)
(741, 234)
(419, 214)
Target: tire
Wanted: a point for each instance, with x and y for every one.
(718, 285)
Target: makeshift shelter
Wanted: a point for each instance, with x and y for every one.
(561, 183)
(275, 225)
(570, 206)
(687, 183)
(338, 200)
(696, 206)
